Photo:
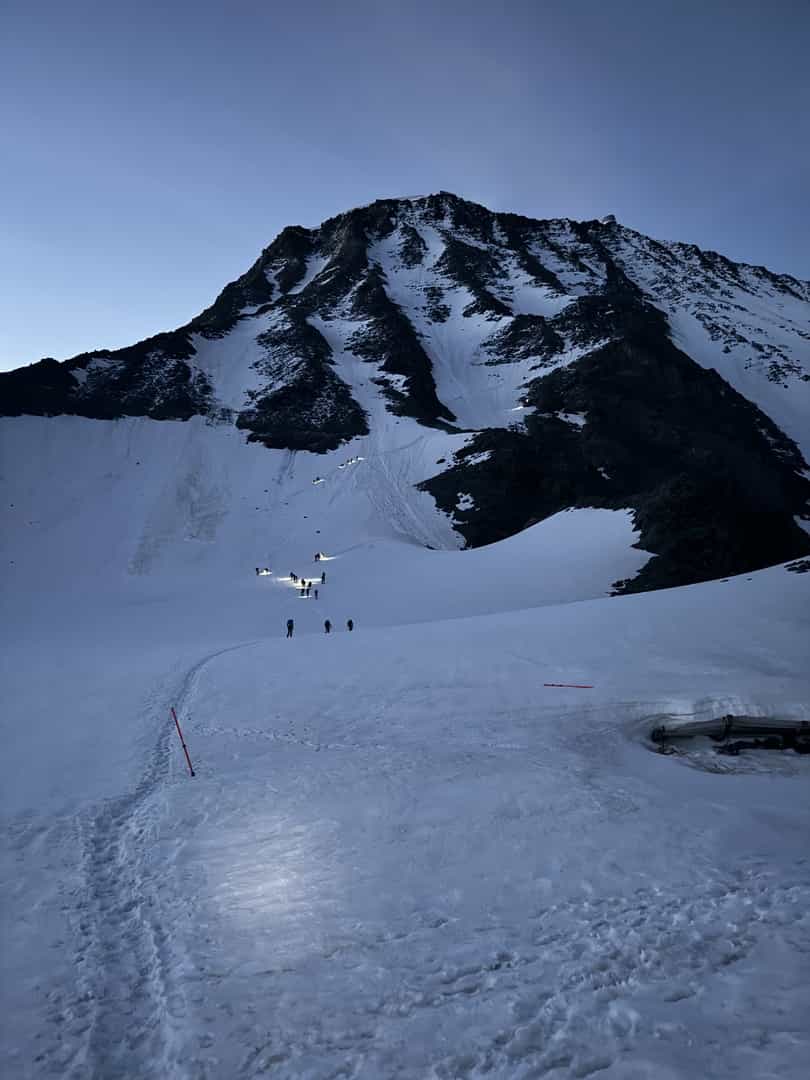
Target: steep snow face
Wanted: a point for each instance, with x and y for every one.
(475, 391)
(316, 264)
(140, 507)
(230, 366)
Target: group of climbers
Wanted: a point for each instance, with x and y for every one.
(305, 588)
(327, 626)
(294, 578)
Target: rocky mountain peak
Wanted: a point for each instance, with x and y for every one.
(578, 363)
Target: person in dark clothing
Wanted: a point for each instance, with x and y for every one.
(327, 626)
(293, 577)
(290, 626)
(350, 624)
(303, 591)
(257, 571)
(323, 578)
(317, 556)
(316, 594)
(309, 586)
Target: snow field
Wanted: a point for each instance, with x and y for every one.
(401, 855)
(448, 870)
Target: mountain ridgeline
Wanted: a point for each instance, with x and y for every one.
(571, 364)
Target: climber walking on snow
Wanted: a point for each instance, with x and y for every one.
(323, 578)
(350, 624)
(327, 626)
(290, 627)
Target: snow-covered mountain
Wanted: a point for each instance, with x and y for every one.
(439, 845)
(535, 366)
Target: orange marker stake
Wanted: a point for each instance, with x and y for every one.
(182, 741)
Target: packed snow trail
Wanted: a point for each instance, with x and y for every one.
(131, 1007)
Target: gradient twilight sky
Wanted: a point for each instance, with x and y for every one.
(150, 150)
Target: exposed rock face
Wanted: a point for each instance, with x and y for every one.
(152, 378)
(304, 406)
(590, 366)
(714, 483)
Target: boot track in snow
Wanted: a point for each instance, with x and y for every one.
(130, 1004)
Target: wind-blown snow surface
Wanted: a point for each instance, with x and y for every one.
(402, 855)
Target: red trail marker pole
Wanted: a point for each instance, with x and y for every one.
(182, 741)
(573, 685)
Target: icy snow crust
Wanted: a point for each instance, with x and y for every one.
(402, 855)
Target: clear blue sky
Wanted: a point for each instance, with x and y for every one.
(150, 150)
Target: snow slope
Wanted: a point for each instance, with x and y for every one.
(401, 855)
(170, 502)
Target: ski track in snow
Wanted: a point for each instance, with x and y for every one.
(127, 1020)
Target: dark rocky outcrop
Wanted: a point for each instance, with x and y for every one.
(475, 269)
(41, 389)
(714, 484)
(150, 379)
(307, 406)
(525, 337)
(413, 248)
(279, 267)
(518, 233)
(389, 339)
